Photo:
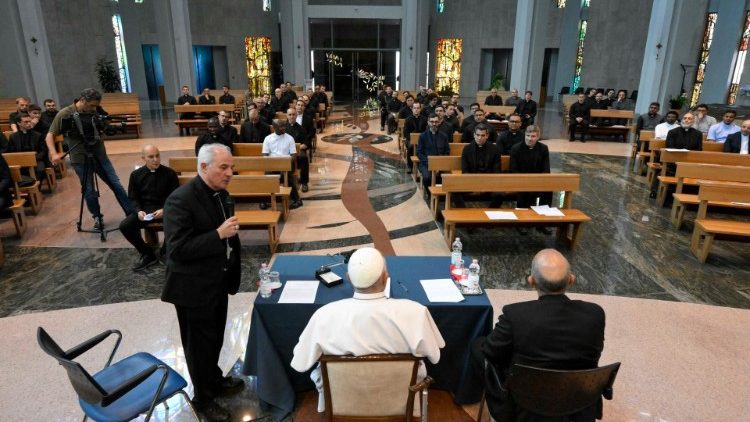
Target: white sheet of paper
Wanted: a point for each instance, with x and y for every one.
(501, 215)
(148, 217)
(742, 204)
(554, 212)
(388, 287)
(441, 290)
(540, 209)
(676, 149)
(296, 291)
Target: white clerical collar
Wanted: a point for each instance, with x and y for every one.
(369, 296)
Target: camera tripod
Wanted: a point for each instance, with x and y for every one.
(89, 179)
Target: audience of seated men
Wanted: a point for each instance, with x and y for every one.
(50, 111)
(226, 97)
(650, 119)
(531, 156)
(432, 102)
(703, 121)
(514, 99)
(308, 125)
(406, 106)
(719, 131)
(368, 323)
(621, 103)
(288, 91)
(422, 95)
(296, 127)
(468, 132)
(455, 98)
(493, 99)
(514, 135)
(281, 144)
(599, 104)
(553, 332)
(148, 189)
(416, 123)
(591, 96)
(451, 118)
(444, 126)
(279, 102)
(611, 97)
(469, 119)
(684, 137)
(385, 98)
(22, 106)
(37, 124)
(27, 140)
(738, 142)
(670, 122)
(320, 96)
(211, 136)
(266, 113)
(480, 156)
(186, 99)
(226, 131)
(392, 109)
(431, 142)
(253, 129)
(579, 117)
(526, 108)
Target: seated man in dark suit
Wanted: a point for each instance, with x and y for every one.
(738, 141)
(26, 140)
(526, 108)
(579, 117)
(186, 99)
(211, 136)
(431, 142)
(493, 99)
(226, 131)
(480, 156)
(226, 98)
(254, 129)
(514, 134)
(479, 117)
(205, 99)
(683, 137)
(531, 156)
(551, 332)
(416, 123)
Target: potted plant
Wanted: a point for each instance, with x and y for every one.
(676, 103)
(109, 77)
(497, 82)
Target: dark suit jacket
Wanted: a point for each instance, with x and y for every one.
(552, 332)
(469, 162)
(414, 124)
(733, 143)
(429, 144)
(467, 135)
(196, 257)
(691, 139)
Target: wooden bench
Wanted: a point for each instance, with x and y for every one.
(706, 229)
(7, 106)
(199, 108)
(620, 130)
(16, 210)
(568, 226)
(644, 154)
(482, 95)
(27, 160)
(565, 102)
(439, 164)
(503, 110)
(696, 174)
(123, 108)
(258, 186)
(666, 157)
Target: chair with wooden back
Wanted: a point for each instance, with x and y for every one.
(644, 153)
(457, 148)
(372, 387)
(27, 160)
(241, 149)
(414, 140)
(436, 165)
(456, 138)
(243, 187)
(16, 208)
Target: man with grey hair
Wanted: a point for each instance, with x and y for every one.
(82, 144)
(367, 323)
(203, 266)
(553, 332)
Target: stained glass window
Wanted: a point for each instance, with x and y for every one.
(266, 5)
(122, 57)
(448, 64)
(708, 36)
(258, 56)
(560, 4)
(440, 6)
(739, 64)
(579, 56)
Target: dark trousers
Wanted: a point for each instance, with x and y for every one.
(130, 228)
(527, 199)
(106, 172)
(583, 127)
(202, 333)
(383, 116)
(303, 163)
(495, 199)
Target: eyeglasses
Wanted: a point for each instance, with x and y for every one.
(518, 122)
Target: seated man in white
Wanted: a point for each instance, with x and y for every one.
(368, 323)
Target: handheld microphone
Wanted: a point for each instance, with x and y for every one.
(229, 205)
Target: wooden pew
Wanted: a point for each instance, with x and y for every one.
(696, 174)
(7, 106)
(623, 130)
(24, 159)
(60, 169)
(499, 110)
(123, 108)
(449, 164)
(694, 157)
(565, 103)
(199, 122)
(644, 154)
(707, 229)
(457, 148)
(16, 209)
(27, 160)
(258, 186)
(482, 95)
(569, 226)
(654, 165)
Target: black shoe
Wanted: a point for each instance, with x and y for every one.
(523, 231)
(99, 223)
(544, 230)
(145, 261)
(652, 195)
(304, 187)
(408, 170)
(382, 128)
(571, 140)
(230, 385)
(211, 411)
(263, 206)
(583, 141)
(296, 204)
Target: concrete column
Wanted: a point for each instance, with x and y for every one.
(175, 46)
(295, 47)
(36, 62)
(566, 62)
(414, 22)
(672, 40)
(528, 44)
(723, 55)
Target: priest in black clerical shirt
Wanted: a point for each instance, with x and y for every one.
(531, 156)
(480, 156)
(514, 135)
(226, 98)
(212, 136)
(254, 129)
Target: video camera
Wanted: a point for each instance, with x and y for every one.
(90, 126)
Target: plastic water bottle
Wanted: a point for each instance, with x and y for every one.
(265, 281)
(457, 254)
(474, 275)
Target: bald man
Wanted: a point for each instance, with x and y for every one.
(368, 323)
(553, 332)
(148, 189)
(738, 142)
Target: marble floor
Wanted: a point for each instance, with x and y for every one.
(675, 324)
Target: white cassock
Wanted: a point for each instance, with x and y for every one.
(367, 324)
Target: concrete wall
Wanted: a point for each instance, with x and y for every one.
(227, 23)
(615, 40)
(14, 81)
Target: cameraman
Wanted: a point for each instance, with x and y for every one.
(80, 143)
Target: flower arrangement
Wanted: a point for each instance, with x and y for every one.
(372, 83)
(334, 59)
(676, 103)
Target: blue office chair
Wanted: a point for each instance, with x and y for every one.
(120, 392)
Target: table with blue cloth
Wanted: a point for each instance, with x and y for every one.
(275, 328)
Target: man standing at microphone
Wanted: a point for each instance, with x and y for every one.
(203, 266)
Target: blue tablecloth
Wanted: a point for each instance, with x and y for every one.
(275, 328)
